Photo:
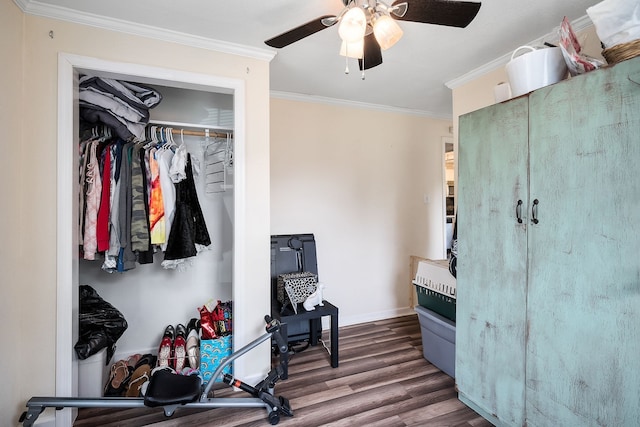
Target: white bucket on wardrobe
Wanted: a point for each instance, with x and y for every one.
(535, 69)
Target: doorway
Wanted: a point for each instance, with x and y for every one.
(67, 263)
(449, 191)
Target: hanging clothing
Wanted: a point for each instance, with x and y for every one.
(179, 164)
(189, 233)
(102, 226)
(130, 205)
(139, 227)
(94, 182)
(84, 158)
(110, 263)
(126, 257)
(168, 192)
(145, 256)
(156, 205)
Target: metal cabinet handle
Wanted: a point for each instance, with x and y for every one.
(519, 211)
(534, 212)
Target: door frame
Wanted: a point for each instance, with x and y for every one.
(70, 66)
(446, 140)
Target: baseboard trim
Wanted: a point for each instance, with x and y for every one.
(375, 316)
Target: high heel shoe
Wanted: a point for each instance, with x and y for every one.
(193, 343)
(166, 346)
(180, 350)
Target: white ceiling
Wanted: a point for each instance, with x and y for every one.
(414, 71)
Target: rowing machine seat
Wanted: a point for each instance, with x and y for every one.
(167, 388)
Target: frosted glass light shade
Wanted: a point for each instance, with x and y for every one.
(353, 25)
(352, 50)
(387, 31)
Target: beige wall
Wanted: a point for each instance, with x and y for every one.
(356, 178)
(12, 251)
(29, 182)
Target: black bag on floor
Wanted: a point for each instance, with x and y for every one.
(101, 324)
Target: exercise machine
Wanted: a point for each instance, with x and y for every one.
(171, 391)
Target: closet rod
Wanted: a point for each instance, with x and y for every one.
(192, 127)
(187, 132)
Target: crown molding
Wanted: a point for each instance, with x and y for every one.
(22, 4)
(354, 104)
(579, 24)
(37, 8)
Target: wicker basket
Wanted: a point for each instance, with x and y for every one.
(622, 52)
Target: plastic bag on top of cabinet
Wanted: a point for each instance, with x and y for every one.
(101, 324)
(616, 21)
(577, 61)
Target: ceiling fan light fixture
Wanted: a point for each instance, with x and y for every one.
(352, 50)
(367, 27)
(353, 25)
(399, 9)
(387, 31)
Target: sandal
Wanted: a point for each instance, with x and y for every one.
(147, 359)
(118, 379)
(133, 360)
(141, 375)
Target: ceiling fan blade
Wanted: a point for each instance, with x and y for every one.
(440, 12)
(372, 53)
(298, 33)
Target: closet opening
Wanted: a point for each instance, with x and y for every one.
(206, 114)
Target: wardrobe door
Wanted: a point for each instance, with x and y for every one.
(583, 352)
(492, 261)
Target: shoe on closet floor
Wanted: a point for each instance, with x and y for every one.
(147, 359)
(119, 376)
(165, 351)
(193, 343)
(141, 375)
(132, 360)
(193, 324)
(180, 349)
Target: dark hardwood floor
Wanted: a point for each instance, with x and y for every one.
(383, 380)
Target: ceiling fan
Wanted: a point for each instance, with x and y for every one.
(368, 26)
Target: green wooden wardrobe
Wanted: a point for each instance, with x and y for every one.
(548, 279)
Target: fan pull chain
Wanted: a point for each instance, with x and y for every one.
(346, 59)
(362, 67)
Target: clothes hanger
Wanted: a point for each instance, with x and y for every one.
(172, 142)
(152, 140)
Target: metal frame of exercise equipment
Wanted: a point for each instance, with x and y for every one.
(262, 392)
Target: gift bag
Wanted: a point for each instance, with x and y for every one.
(212, 352)
(295, 288)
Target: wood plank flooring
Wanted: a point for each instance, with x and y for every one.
(383, 380)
